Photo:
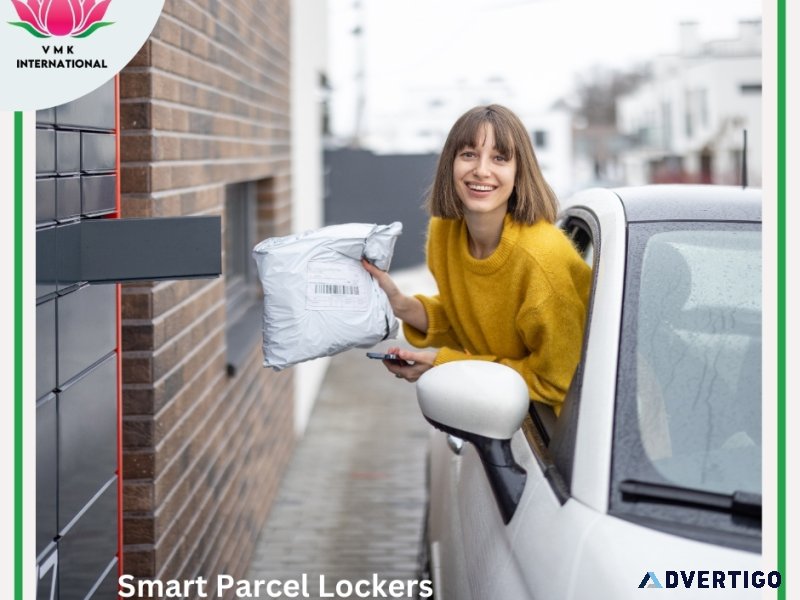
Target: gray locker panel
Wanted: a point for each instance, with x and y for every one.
(146, 249)
(46, 473)
(68, 198)
(107, 588)
(46, 262)
(47, 571)
(46, 116)
(86, 549)
(45, 200)
(67, 263)
(68, 152)
(45, 152)
(87, 438)
(98, 194)
(87, 328)
(44, 587)
(92, 111)
(45, 348)
(112, 250)
(98, 152)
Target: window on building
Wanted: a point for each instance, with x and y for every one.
(540, 139)
(242, 288)
(696, 111)
(324, 90)
(689, 117)
(240, 233)
(702, 99)
(750, 88)
(666, 125)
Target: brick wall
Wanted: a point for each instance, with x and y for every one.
(204, 103)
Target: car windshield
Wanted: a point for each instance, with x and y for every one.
(690, 360)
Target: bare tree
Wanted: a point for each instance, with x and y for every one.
(597, 89)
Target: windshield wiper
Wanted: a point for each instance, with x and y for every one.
(737, 503)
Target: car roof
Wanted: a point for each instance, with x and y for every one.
(690, 203)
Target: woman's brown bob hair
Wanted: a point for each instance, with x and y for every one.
(531, 199)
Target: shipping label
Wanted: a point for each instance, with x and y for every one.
(335, 286)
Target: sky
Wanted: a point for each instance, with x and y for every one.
(416, 48)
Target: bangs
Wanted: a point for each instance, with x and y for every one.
(471, 131)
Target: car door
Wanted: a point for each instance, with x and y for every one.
(474, 554)
(470, 545)
(552, 523)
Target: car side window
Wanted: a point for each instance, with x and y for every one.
(553, 439)
(581, 235)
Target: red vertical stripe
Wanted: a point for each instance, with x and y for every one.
(117, 215)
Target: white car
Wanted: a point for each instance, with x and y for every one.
(651, 475)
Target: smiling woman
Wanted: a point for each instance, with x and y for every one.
(484, 179)
(512, 288)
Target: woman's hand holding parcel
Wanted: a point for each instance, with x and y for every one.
(406, 308)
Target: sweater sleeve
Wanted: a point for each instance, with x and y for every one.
(553, 333)
(439, 333)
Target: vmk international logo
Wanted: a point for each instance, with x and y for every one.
(50, 52)
(61, 18)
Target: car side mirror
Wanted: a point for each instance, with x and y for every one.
(483, 403)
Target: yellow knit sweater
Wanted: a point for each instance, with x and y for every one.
(524, 306)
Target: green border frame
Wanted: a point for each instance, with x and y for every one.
(781, 296)
(781, 371)
(18, 404)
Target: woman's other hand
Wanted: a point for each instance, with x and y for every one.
(422, 361)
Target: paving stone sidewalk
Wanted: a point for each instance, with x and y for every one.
(352, 501)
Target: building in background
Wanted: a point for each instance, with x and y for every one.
(551, 132)
(686, 123)
(309, 124)
(428, 113)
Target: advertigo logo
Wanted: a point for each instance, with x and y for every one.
(712, 579)
(61, 18)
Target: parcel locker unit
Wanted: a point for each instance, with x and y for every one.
(77, 346)
(83, 251)
(76, 143)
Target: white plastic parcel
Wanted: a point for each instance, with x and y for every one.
(318, 298)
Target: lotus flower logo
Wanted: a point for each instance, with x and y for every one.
(61, 18)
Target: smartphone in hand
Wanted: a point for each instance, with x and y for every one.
(390, 357)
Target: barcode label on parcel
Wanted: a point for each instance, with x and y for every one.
(336, 287)
(329, 288)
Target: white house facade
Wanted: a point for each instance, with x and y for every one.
(688, 122)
